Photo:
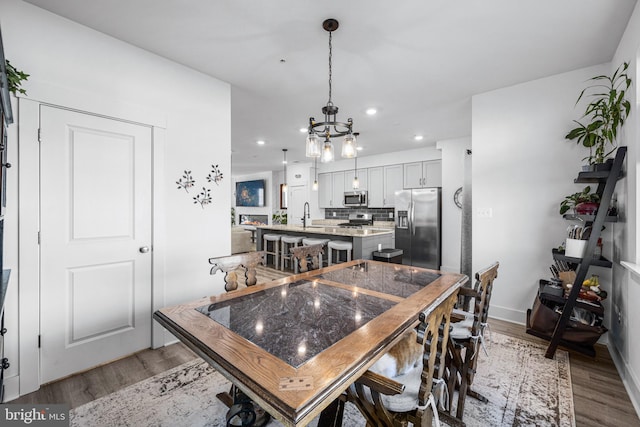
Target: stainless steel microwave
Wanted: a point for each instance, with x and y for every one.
(355, 198)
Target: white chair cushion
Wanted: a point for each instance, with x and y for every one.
(461, 330)
(408, 400)
(340, 245)
(292, 239)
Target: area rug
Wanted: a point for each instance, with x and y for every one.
(523, 387)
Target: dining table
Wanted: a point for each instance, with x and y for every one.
(294, 345)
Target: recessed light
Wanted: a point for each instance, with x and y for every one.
(304, 130)
(371, 111)
(418, 137)
(260, 142)
(359, 148)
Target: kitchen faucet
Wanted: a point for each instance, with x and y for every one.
(305, 214)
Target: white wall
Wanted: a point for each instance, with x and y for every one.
(72, 65)
(453, 171)
(522, 169)
(623, 342)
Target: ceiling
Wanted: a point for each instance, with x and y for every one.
(418, 62)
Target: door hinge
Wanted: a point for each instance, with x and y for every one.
(39, 134)
(39, 341)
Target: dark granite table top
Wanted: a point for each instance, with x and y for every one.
(326, 327)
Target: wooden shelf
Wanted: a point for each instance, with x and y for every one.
(588, 350)
(589, 218)
(600, 262)
(594, 307)
(594, 177)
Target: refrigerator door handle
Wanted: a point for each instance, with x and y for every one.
(411, 213)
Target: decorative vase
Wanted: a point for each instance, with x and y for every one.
(587, 208)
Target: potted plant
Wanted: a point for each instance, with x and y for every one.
(583, 202)
(280, 217)
(603, 117)
(15, 78)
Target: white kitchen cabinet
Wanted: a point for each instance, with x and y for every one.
(325, 190)
(384, 181)
(392, 183)
(423, 174)
(337, 178)
(376, 187)
(362, 179)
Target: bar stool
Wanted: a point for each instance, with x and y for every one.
(323, 242)
(338, 246)
(275, 244)
(287, 242)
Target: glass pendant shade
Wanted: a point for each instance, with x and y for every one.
(349, 146)
(313, 145)
(327, 152)
(315, 185)
(356, 183)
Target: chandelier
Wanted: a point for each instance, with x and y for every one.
(330, 127)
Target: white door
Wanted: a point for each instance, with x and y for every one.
(95, 240)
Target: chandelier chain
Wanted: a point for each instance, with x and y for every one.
(330, 54)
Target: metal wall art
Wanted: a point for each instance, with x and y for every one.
(204, 197)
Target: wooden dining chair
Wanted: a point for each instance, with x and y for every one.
(409, 398)
(230, 265)
(307, 258)
(241, 408)
(467, 339)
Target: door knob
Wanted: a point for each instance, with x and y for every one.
(144, 249)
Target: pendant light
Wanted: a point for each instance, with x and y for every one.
(315, 181)
(356, 183)
(330, 127)
(284, 162)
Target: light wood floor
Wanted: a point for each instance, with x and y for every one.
(600, 398)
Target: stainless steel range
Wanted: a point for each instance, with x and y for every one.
(357, 220)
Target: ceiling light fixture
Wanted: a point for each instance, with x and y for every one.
(260, 142)
(418, 137)
(284, 162)
(330, 127)
(371, 111)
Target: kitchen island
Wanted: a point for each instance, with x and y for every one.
(364, 240)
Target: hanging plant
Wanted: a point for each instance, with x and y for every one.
(15, 78)
(604, 115)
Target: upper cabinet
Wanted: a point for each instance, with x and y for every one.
(384, 181)
(423, 174)
(331, 189)
(324, 190)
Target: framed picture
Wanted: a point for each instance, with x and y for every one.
(283, 198)
(250, 193)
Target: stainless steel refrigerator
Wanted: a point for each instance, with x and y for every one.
(418, 226)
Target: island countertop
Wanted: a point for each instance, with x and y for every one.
(331, 230)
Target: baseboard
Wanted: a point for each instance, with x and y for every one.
(630, 383)
(507, 314)
(11, 388)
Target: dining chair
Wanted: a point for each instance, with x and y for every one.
(230, 265)
(242, 409)
(307, 258)
(468, 324)
(410, 397)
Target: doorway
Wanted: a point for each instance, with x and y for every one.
(95, 240)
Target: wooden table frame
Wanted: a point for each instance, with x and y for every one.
(258, 373)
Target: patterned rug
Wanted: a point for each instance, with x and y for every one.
(523, 387)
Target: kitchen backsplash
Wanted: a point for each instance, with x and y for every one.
(379, 214)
